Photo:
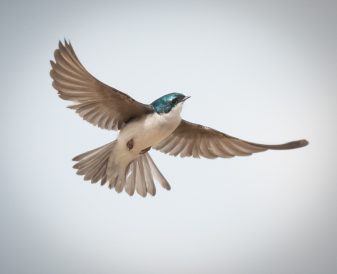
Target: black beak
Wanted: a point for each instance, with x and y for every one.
(185, 98)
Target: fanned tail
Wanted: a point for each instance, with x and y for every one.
(139, 174)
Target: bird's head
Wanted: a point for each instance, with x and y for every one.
(167, 102)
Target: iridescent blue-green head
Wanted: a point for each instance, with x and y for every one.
(167, 102)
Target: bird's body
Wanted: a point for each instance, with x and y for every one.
(138, 136)
(149, 130)
(125, 163)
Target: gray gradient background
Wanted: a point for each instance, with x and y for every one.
(262, 71)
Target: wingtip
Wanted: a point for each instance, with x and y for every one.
(167, 187)
(76, 158)
(63, 44)
(303, 143)
(295, 144)
(289, 145)
(67, 42)
(52, 63)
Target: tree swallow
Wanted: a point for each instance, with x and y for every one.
(125, 163)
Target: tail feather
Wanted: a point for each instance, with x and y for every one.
(140, 178)
(130, 184)
(138, 175)
(159, 176)
(148, 177)
(100, 174)
(93, 164)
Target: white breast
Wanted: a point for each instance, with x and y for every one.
(150, 129)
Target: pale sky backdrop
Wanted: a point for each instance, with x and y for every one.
(264, 71)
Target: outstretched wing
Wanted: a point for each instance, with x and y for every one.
(95, 101)
(199, 141)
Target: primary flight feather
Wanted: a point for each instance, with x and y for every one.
(125, 163)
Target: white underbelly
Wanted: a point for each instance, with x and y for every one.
(149, 130)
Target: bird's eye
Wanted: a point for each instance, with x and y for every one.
(175, 101)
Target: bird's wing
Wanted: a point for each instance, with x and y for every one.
(95, 101)
(199, 141)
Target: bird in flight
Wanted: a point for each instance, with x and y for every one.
(125, 163)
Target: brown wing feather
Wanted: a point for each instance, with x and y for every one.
(95, 101)
(199, 141)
